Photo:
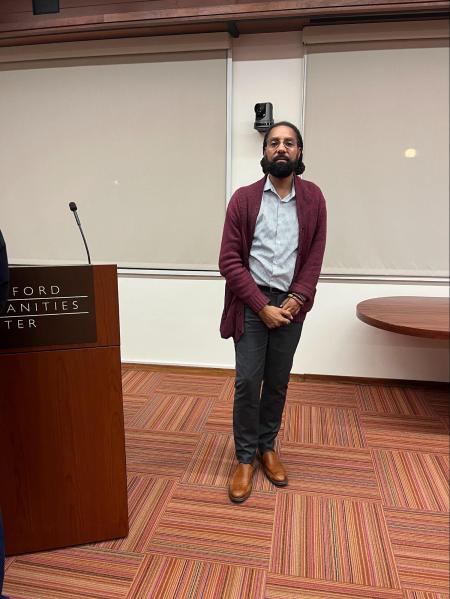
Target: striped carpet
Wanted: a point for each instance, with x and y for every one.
(365, 515)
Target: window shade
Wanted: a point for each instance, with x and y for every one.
(376, 142)
(138, 142)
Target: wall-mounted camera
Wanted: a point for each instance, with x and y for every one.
(263, 116)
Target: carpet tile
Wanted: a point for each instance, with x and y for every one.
(188, 384)
(417, 481)
(327, 538)
(147, 498)
(364, 516)
(9, 561)
(200, 523)
(159, 453)
(70, 573)
(319, 425)
(162, 577)
(214, 462)
(220, 418)
(408, 594)
(402, 401)
(173, 413)
(132, 404)
(227, 391)
(439, 402)
(326, 394)
(296, 587)
(409, 434)
(140, 382)
(340, 471)
(420, 543)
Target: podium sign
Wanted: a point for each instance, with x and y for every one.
(52, 305)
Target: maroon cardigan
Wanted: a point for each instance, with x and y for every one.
(239, 228)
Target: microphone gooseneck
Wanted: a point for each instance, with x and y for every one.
(73, 208)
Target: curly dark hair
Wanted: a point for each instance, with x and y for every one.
(300, 166)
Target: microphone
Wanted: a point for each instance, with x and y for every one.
(73, 207)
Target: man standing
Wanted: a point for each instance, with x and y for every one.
(271, 255)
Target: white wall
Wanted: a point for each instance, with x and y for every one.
(176, 320)
(267, 67)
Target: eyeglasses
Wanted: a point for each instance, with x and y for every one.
(287, 143)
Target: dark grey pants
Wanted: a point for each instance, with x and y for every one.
(263, 364)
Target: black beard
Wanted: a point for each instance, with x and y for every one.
(278, 168)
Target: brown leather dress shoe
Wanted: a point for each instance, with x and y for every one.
(274, 469)
(241, 483)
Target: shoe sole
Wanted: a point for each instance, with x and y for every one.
(277, 483)
(239, 499)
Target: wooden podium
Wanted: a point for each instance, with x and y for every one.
(62, 451)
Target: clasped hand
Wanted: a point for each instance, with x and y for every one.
(274, 317)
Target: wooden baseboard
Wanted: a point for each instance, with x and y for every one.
(358, 380)
(198, 370)
(298, 378)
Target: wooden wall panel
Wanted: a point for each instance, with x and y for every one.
(15, 6)
(95, 19)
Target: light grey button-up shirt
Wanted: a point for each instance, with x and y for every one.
(275, 243)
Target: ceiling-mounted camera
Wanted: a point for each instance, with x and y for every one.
(263, 116)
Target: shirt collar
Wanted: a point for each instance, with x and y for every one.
(268, 186)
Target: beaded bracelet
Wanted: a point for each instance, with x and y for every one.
(296, 298)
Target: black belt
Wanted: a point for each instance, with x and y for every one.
(266, 289)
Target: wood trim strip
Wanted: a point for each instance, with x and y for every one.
(215, 13)
(125, 24)
(358, 380)
(199, 370)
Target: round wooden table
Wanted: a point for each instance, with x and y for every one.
(417, 316)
